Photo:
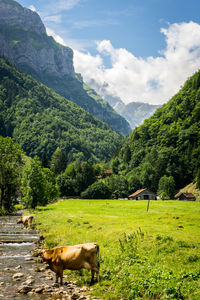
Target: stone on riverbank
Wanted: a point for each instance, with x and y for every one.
(24, 289)
(18, 276)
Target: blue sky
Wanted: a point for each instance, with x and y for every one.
(127, 44)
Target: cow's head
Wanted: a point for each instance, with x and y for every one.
(47, 254)
(19, 221)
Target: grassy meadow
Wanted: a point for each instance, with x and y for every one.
(143, 255)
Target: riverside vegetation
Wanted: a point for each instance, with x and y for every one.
(152, 255)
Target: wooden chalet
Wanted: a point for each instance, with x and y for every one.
(185, 196)
(143, 194)
(108, 172)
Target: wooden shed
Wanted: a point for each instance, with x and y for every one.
(108, 172)
(185, 196)
(143, 194)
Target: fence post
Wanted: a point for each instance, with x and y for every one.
(148, 205)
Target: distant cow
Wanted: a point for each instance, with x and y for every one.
(26, 220)
(83, 256)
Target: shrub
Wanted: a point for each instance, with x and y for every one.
(98, 190)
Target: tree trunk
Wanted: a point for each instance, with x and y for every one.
(2, 196)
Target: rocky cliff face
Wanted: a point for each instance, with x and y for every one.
(13, 14)
(24, 41)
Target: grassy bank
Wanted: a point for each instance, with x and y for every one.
(144, 255)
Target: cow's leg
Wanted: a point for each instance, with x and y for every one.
(61, 277)
(92, 278)
(57, 278)
(96, 270)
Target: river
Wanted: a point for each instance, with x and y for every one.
(23, 276)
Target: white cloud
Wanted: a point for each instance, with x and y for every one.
(93, 23)
(66, 4)
(61, 5)
(53, 11)
(56, 37)
(152, 79)
(72, 43)
(32, 7)
(53, 18)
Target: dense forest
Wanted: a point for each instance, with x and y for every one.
(80, 93)
(167, 145)
(40, 120)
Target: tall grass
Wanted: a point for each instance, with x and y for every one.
(144, 255)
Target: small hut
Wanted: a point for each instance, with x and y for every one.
(185, 196)
(143, 194)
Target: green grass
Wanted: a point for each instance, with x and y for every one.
(144, 255)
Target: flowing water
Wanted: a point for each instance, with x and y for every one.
(16, 247)
(19, 269)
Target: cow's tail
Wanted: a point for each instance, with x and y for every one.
(98, 256)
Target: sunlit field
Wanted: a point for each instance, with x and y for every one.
(143, 255)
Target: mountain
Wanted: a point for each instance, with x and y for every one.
(134, 112)
(41, 120)
(24, 42)
(166, 144)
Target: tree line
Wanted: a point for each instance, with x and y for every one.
(38, 182)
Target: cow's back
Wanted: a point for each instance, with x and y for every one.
(70, 257)
(76, 257)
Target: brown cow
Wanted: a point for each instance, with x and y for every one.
(26, 220)
(83, 256)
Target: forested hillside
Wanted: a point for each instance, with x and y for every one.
(40, 120)
(76, 90)
(166, 145)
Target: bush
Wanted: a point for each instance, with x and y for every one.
(66, 185)
(97, 190)
(117, 185)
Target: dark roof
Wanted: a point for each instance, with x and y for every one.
(187, 195)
